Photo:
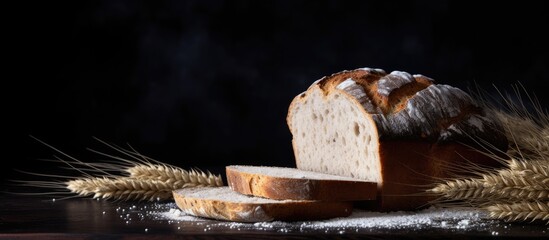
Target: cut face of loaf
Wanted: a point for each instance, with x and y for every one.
(291, 183)
(222, 203)
(398, 130)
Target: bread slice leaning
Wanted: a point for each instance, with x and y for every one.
(222, 203)
(291, 183)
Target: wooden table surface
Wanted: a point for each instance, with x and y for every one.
(84, 218)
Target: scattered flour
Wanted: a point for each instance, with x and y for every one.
(178, 215)
(431, 221)
(360, 220)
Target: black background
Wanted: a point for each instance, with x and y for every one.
(208, 83)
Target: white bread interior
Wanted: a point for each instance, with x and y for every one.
(333, 134)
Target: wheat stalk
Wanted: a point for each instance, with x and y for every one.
(520, 211)
(525, 179)
(146, 182)
(520, 191)
(522, 179)
(121, 188)
(526, 129)
(460, 189)
(148, 179)
(490, 188)
(176, 177)
(512, 194)
(526, 137)
(535, 166)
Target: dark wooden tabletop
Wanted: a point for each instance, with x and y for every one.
(84, 218)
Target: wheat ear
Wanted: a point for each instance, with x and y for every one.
(146, 182)
(176, 177)
(526, 137)
(121, 188)
(480, 190)
(503, 182)
(522, 179)
(521, 190)
(520, 211)
(535, 166)
(148, 179)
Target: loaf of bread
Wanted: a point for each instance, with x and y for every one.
(290, 183)
(402, 131)
(222, 203)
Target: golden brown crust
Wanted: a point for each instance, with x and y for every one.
(328, 85)
(261, 212)
(412, 107)
(281, 188)
(409, 168)
(363, 77)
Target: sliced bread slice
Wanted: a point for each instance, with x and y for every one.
(222, 203)
(292, 183)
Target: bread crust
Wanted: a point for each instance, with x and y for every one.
(280, 188)
(413, 109)
(259, 212)
(409, 168)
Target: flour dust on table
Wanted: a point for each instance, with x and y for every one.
(358, 221)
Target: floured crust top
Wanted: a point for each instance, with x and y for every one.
(406, 106)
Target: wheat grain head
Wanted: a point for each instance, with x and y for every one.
(121, 188)
(178, 177)
(520, 211)
(148, 179)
